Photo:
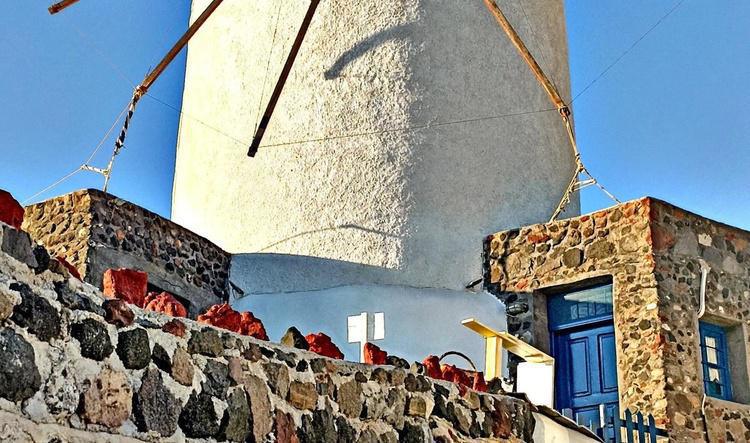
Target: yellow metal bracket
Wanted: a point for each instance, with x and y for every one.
(495, 341)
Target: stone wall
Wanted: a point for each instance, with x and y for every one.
(681, 241)
(611, 244)
(74, 367)
(95, 231)
(651, 252)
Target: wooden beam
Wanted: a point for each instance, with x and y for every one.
(495, 341)
(157, 71)
(554, 96)
(59, 6)
(170, 56)
(149, 80)
(282, 79)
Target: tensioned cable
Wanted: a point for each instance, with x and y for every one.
(181, 112)
(89, 42)
(52, 185)
(80, 168)
(320, 139)
(268, 66)
(635, 43)
(407, 128)
(109, 131)
(120, 72)
(364, 133)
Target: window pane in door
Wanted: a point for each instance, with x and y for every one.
(579, 305)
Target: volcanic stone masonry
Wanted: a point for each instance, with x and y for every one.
(76, 367)
(652, 252)
(95, 231)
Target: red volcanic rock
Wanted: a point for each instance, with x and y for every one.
(322, 344)
(432, 365)
(374, 355)
(166, 304)
(126, 284)
(72, 269)
(150, 296)
(223, 316)
(174, 327)
(118, 313)
(11, 212)
(251, 326)
(537, 237)
(456, 375)
(479, 384)
(464, 379)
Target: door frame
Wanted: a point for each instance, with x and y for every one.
(553, 330)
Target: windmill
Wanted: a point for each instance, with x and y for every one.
(581, 179)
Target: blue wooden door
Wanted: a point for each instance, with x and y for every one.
(583, 344)
(586, 372)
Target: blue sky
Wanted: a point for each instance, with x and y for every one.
(667, 120)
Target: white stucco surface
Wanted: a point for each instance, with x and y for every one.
(548, 431)
(418, 322)
(411, 207)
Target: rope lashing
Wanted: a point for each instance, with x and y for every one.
(143, 88)
(120, 142)
(576, 184)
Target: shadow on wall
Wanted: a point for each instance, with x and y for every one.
(268, 273)
(366, 45)
(331, 228)
(418, 321)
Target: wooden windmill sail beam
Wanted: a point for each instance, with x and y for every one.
(552, 92)
(575, 183)
(59, 6)
(157, 71)
(147, 82)
(258, 137)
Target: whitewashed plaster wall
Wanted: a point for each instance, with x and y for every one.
(548, 431)
(411, 207)
(418, 322)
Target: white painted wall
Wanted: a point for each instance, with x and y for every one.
(549, 431)
(418, 322)
(399, 207)
(537, 381)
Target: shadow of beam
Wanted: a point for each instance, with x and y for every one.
(366, 45)
(331, 228)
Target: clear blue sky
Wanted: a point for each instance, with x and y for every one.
(668, 120)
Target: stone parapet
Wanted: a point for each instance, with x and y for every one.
(95, 231)
(73, 368)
